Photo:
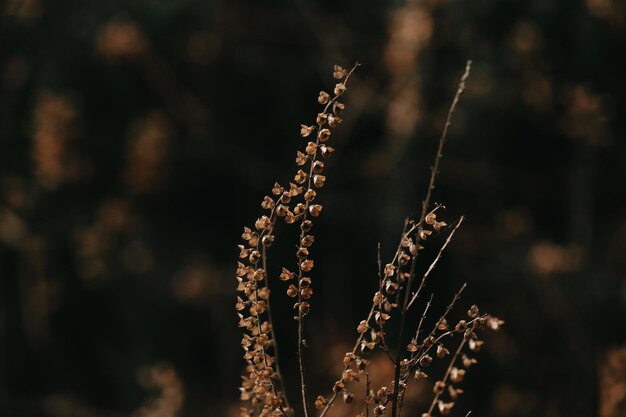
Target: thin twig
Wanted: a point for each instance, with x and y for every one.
(447, 374)
(270, 320)
(434, 262)
(417, 335)
(442, 139)
(425, 205)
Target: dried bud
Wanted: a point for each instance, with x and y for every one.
(473, 312)
(286, 275)
(295, 190)
(475, 345)
(444, 408)
(494, 323)
(264, 293)
(306, 293)
(307, 241)
(381, 318)
(456, 375)
(309, 195)
(285, 198)
(425, 360)
(423, 233)
(318, 166)
(326, 150)
(349, 358)
(268, 203)
(439, 387)
(310, 148)
(299, 209)
(412, 347)
(420, 376)
(277, 190)
(301, 158)
(439, 225)
(304, 308)
(259, 274)
(460, 326)
(302, 253)
(454, 392)
(442, 351)
(281, 210)
(306, 130)
(315, 209)
(263, 223)
(267, 240)
(247, 234)
(254, 256)
(340, 88)
(429, 341)
(362, 327)
(338, 108)
(323, 98)
(389, 270)
(290, 217)
(348, 397)
(339, 386)
(321, 118)
(319, 180)
(306, 225)
(324, 135)
(431, 218)
(320, 402)
(306, 265)
(240, 305)
(292, 291)
(378, 298)
(442, 325)
(300, 177)
(339, 72)
(391, 288)
(467, 361)
(334, 121)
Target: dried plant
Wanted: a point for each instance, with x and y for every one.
(400, 286)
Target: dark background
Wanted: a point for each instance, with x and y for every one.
(138, 137)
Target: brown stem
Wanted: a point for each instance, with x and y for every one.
(433, 263)
(300, 318)
(425, 205)
(442, 139)
(447, 374)
(279, 374)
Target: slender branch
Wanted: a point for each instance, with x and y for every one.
(417, 335)
(270, 320)
(447, 374)
(442, 139)
(434, 262)
(300, 317)
(425, 205)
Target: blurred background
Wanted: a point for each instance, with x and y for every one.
(138, 137)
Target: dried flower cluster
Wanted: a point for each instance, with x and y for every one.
(398, 290)
(296, 203)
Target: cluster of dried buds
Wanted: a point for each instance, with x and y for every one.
(394, 278)
(293, 204)
(446, 390)
(397, 291)
(371, 331)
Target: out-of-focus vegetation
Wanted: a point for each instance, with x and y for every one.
(137, 137)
